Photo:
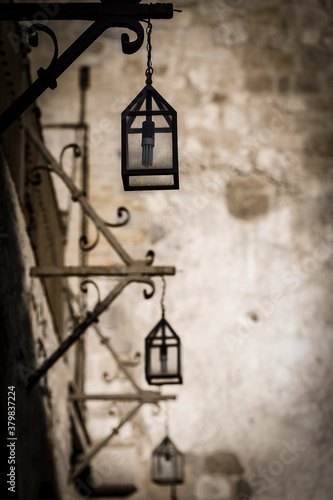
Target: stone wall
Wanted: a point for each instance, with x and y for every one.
(43, 447)
(38, 202)
(249, 231)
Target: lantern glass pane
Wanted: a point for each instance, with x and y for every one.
(150, 180)
(164, 363)
(168, 469)
(161, 151)
(168, 463)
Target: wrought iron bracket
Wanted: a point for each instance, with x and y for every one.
(114, 14)
(140, 396)
(139, 271)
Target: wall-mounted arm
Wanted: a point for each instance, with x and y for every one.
(118, 14)
(91, 317)
(140, 396)
(132, 271)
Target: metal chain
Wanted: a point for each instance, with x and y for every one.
(163, 295)
(149, 70)
(167, 415)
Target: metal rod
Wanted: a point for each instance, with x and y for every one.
(77, 332)
(143, 396)
(84, 77)
(98, 446)
(84, 11)
(114, 271)
(174, 492)
(84, 81)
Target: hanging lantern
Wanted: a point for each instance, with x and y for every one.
(168, 464)
(162, 353)
(163, 362)
(149, 139)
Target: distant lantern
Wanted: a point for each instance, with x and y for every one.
(168, 464)
(162, 355)
(149, 143)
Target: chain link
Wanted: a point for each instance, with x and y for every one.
(163, 295)
(149, 70)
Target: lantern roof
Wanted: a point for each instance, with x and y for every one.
(163, 329)
(148, 101)
(167, 447)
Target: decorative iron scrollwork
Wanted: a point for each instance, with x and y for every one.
(122, 212)
(150, 256)
(34, 176)
(76, 152)
(84, 289)
(127, 46)
(85, 246)
(44, 74)
(148, 295)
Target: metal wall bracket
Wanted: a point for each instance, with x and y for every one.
(120, 14)
(132, 271)
(140, 396)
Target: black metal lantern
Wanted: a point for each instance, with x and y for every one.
(149, 139)
(149, 143)
(162, 353)
(168, 464)
(163, 361)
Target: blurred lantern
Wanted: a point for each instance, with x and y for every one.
(163, 364)
(149, 139)
(168, 464)
(162, 353)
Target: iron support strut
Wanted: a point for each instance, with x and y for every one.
(114, 15)
(81, 328)
(143, 396)
(112, 271)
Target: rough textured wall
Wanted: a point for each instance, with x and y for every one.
(249, 231)
(37, 202)
(42, 429)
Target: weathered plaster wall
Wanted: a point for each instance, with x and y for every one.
(43, 446)
(249, 232)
